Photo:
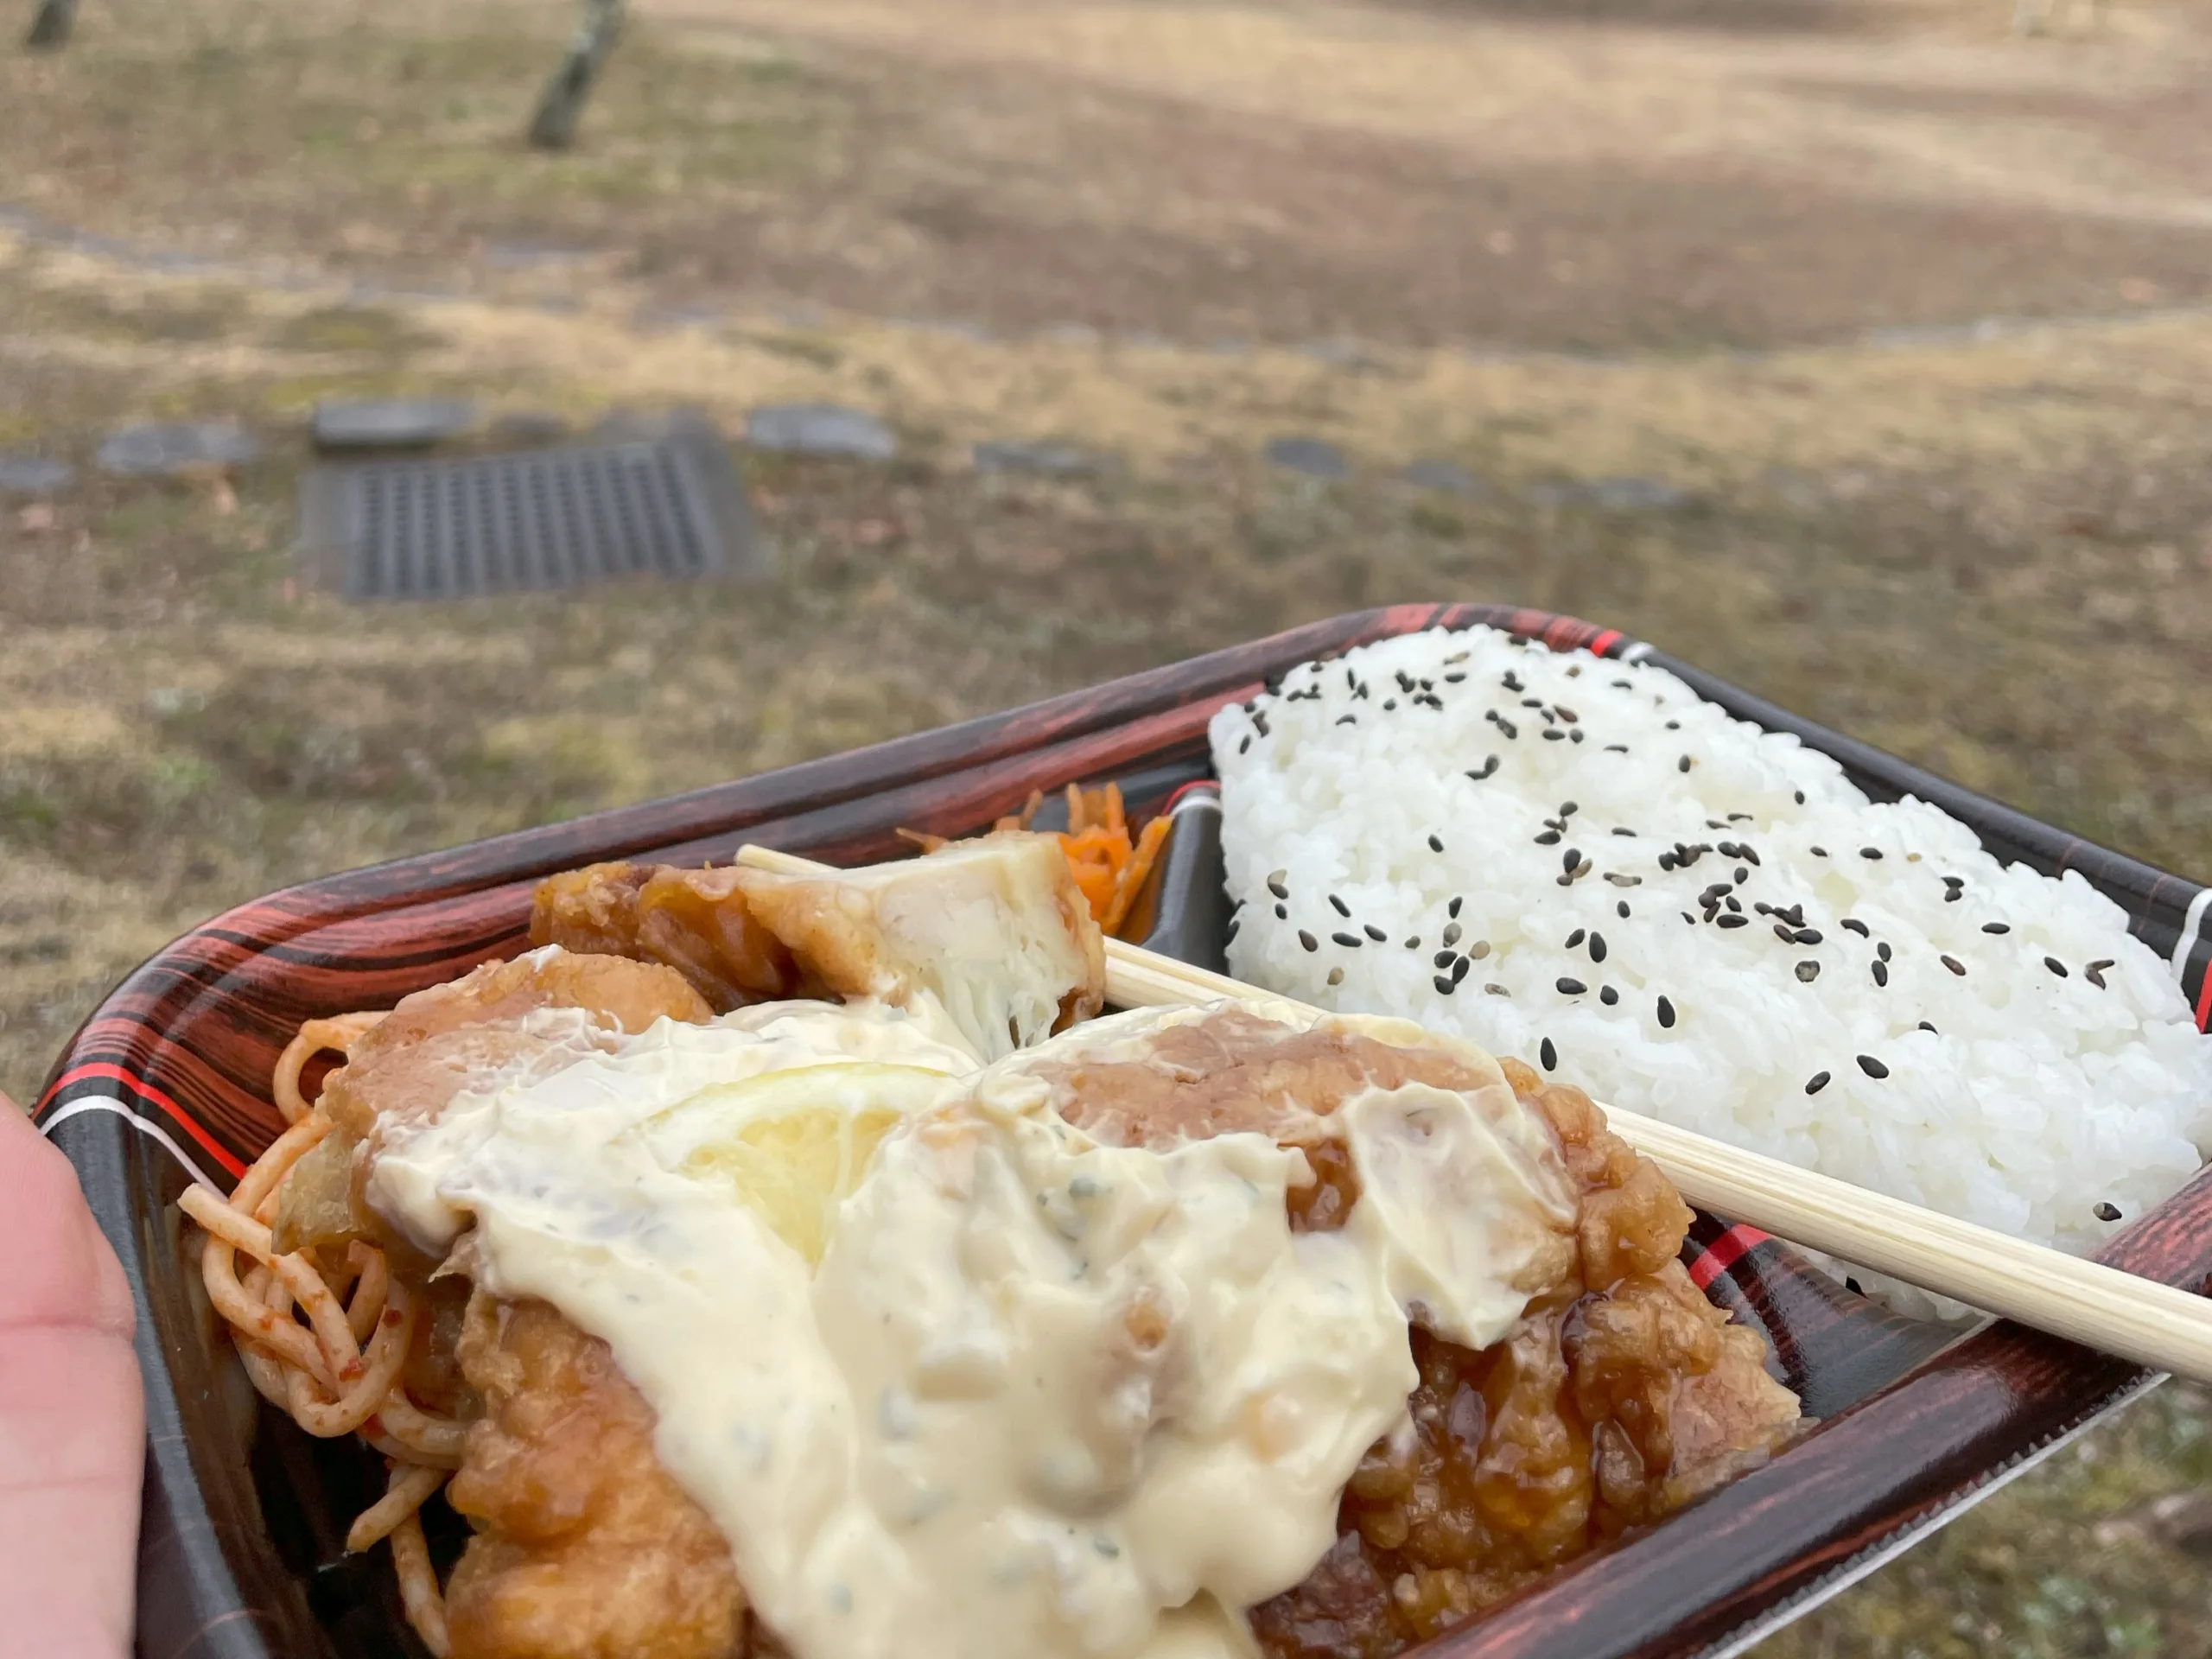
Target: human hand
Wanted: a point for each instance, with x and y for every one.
(72, 1413)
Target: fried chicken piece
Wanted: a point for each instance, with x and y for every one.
(698, 922)
(994, 931)
(451, 1038)
(1619, 1395)
(586, 1547)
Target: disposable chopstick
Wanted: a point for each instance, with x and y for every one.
(2139, 1320)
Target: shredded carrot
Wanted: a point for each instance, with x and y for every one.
(1109, 867)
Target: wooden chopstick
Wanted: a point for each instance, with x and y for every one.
(2139, 1320)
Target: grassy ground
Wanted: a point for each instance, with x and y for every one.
(1643, 241)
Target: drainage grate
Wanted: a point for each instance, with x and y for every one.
(670, 507)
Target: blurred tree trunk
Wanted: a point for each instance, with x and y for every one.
(52, 25)
(554, 127)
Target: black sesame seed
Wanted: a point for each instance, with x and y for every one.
(1788, 935)
(2107, 1211)
(1960, 968)
(1338, 906)
(1549, 838)
(1442, 959)
(1608, 995)
(1451, 932)
(1548, 1055)
(1618, 830)
(1809, 935)
(1566, 713)
(1347, 720)
(1622, 910)
(1458, 970)
(1929, 1029)
(1620, 880)
(1741, 875)
(1453, 679)
(1808, 971)
(1801, 797)
(1245, 746)
(1553, 735)
(1952, 895)
(1870, 852)
(1279, 885)
(1596, 947)
(1452, 909)
(2095, 973)
(1308, 940)
(1443, 985)
(1350, 941)
(1509, 728)
(1666, 1014)
(1858, 927)
(1570, 858)
(1574, 939)
(1434, 845)
(1532, 703)
(1389, 702)
(1872, 1067)
(1668, 860)
(1485, 771)
(1734, 918)
(1995, 927)
(1819, 852)
(1817, 1082)
(1570, 987)
(1373, 932)
(1282, 912)
(2056, 966)
(1497, 989)
(1674, 725)
(1616, 748)
(1682, 765)
(1881, 948)
(1414, 943)
(1881, 973)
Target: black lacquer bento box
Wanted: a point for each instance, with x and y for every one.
(242, 1555)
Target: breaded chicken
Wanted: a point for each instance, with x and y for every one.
(459, 1036)
(995, 930)
(586, 1547)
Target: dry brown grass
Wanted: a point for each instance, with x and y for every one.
(1990, 555)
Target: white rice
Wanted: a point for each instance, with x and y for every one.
(2037, 1097)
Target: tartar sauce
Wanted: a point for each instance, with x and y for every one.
(1039, 1397)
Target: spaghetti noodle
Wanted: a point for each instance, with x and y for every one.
(330, 1347)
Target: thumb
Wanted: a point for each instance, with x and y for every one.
(71, 1409)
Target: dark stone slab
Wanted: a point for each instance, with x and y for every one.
(162, 448)
(1444, 477)
(34, 475)
(1310, 456)
(392, 422)
(1055, 460)
(1615, 495)
(524, 426)
(820, 429)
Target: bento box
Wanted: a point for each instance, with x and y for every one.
(242, 1551)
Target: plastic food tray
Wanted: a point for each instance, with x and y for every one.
(242, 1555)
